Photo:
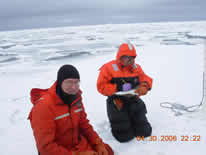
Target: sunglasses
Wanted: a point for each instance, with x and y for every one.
(127, 57)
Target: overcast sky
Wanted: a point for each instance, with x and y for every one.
(28, 7)
(148, 9)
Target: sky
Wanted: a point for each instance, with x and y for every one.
(35, 12)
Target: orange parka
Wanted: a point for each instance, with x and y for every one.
(59, 129)
(113, 73)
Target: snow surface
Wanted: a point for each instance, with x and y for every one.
(171, 53)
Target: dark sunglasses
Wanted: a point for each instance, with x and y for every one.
(127, 57)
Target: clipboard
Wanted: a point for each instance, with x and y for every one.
(127, 93)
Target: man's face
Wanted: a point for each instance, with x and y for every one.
(70, 86)
(127, 60)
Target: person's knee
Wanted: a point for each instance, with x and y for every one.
(123, 136)
(122, 130)
(148, 130)
(144, 130)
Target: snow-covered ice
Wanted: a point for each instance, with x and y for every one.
(171, 53)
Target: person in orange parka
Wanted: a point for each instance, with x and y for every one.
(127, 114)
(58, 119)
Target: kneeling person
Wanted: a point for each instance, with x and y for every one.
(127, 114)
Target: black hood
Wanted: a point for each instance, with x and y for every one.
(66, 72)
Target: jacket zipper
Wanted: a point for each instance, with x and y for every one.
(70, 106)
(72, 125)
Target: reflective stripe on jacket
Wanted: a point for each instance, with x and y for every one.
(113, 75)
(59, 129)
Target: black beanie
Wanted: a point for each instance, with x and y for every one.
(66, 72)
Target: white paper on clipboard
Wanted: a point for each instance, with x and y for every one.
(123, 93)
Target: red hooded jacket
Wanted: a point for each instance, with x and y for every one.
(113, 73)
(58, 129)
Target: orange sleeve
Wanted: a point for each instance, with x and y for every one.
(43, 125)
(143, 77)
(104, 86)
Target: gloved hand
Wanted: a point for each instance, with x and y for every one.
(126, 86)
(142, 89)
(101, 149)
(85, 153)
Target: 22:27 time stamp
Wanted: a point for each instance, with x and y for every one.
(170, 138)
